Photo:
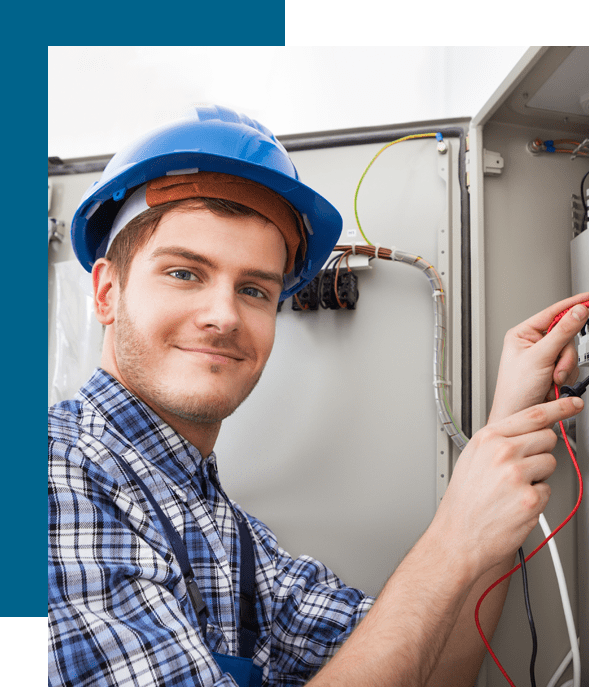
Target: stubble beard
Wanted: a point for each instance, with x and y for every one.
(133, 355)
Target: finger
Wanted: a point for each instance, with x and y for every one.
(539, 468)
(535, 443)
(552, 345)
(566, 370)
(539, 416)
(542, 320)
(542, 493)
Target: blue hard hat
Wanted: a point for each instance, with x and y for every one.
(213, 139)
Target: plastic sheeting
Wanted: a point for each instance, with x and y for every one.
(76, 338)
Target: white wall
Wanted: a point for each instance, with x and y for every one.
(101, 97)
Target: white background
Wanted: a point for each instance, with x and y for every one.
(101, 97)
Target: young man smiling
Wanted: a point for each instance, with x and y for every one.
(213, 284)
(191, 251)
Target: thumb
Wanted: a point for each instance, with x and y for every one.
(560, 334)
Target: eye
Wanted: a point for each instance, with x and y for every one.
(253, 292)
(183, 275)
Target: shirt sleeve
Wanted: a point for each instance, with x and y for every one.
(114, 615)
(312, 612)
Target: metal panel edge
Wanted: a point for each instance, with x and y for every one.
(508, 85)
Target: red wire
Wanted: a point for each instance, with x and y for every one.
(548, 538)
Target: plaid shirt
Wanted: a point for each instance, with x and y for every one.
(119, 613)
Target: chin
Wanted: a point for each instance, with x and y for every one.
(206, 409)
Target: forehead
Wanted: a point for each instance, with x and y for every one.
(198, 229)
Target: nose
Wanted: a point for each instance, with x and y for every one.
(218, 309)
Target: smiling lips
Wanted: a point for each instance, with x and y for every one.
(216, 355)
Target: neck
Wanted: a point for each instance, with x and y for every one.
(202, 435)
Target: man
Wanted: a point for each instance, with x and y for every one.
(194, 234)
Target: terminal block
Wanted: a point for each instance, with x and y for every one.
(327, 294)
(347, 291)
(308, 297)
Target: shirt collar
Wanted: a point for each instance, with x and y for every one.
(130, 422)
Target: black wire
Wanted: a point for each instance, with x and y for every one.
(330, 265)
(583, 191)
(320, 286)
(522, 559)
(585, 220)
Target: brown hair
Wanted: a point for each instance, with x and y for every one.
(141, 228)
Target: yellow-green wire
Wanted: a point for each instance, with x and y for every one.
(388, 145)
(443, 362)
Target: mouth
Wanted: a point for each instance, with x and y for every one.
(219, 356)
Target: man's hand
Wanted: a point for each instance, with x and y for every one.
(498, 488)
(532, 360)
(493, 501)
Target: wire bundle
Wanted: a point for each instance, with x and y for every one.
(440, 381)
(559, 145)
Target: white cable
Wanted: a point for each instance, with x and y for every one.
(558, 431)
(560, 670)
(566, 607)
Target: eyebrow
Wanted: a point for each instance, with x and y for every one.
(203, 260)
(179, 252)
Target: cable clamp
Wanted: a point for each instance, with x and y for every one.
(441, 382)
(393, 253)
(353, 248)
(438, 294)
(377, 248)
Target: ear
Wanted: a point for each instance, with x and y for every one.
(106, 291)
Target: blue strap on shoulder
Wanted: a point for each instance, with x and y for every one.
(177, 545)
(248, 630)
(248, 623)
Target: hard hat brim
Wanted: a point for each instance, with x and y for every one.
(92, 221)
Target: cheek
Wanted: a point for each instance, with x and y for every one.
(152, 318)
(264, 336)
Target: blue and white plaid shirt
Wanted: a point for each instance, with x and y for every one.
(119, 613)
